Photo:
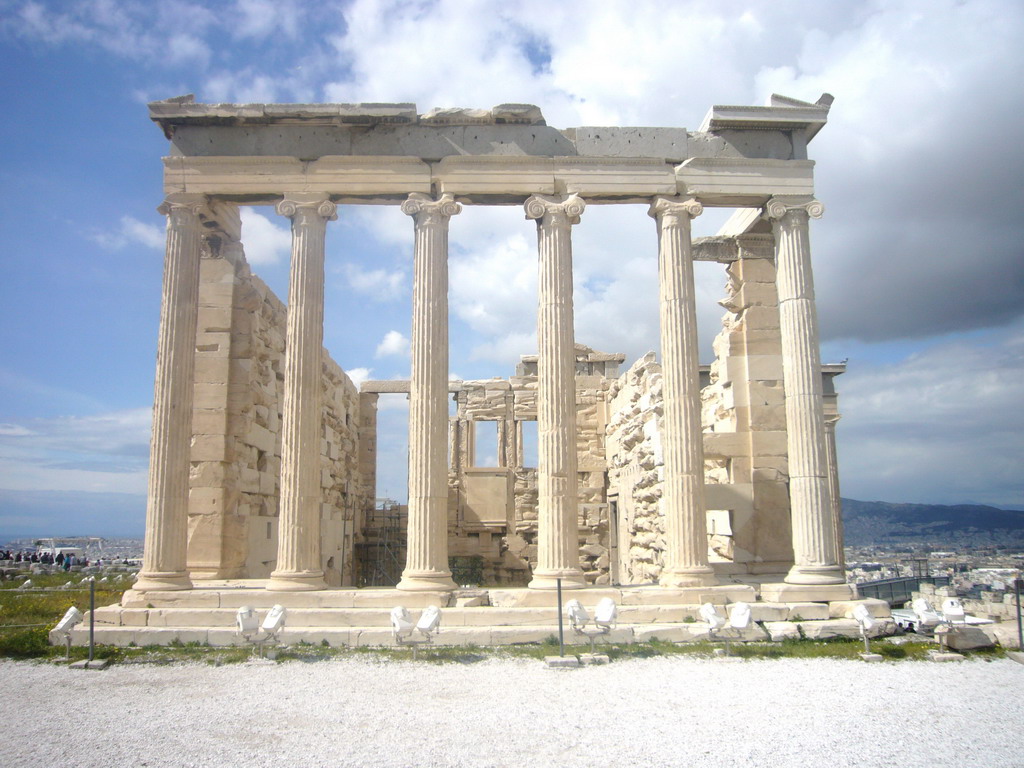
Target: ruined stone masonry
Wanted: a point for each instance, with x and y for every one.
(664, 484)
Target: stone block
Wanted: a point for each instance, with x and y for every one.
(1005, 634)
(793, 593)
(782, 630)
(968, 638)
(561, 662)
(769, 612)
(823, 630)
(843, 609)
(808, 612)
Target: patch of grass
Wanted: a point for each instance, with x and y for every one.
(28, 615)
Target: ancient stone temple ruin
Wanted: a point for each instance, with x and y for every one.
(656, 481)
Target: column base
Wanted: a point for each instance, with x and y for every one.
(698, 576)
(296, 581)
(815, 574)
(162, 581)
(426, 581)
(572, 578)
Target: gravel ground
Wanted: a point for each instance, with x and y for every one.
(500, 712)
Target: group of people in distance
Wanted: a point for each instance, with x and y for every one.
(44, 558)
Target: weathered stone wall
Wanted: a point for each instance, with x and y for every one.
(236, 446)
(493, 510)
(744, 417)
(635, 465)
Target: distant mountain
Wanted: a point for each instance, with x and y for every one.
(880, 522)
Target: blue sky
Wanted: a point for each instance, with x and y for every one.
(918, 261)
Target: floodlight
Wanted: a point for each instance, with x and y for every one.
(739, 616)
(863, 617)
(401, 622)
(274, 622)
(578, 616)
(710, 614)
(953, 611)
(27, 584)
(606, 613)
(247, 621)
(68, 585)
(866, 621)
(72, 617)
(429, 621)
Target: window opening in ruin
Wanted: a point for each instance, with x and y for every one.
(485, 444)
(529, 447)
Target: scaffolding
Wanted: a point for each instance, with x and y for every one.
(382, 551)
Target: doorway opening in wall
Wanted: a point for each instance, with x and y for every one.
(382, 551)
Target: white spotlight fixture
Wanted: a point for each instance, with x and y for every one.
(605, 616)
(865, 621)
(71, 619)
(248, 622)
(415, 634)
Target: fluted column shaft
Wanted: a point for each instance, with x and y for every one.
(557, 494)
(832, 460)
(426, 566)
(298, 530)
(163, 560)
(686, 541)
(809, 498)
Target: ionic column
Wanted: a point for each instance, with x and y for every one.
(686, 541)
(298, 529)
(426, 565)
(558, 529)
(833, 488)
(809, 498)
(163, 559)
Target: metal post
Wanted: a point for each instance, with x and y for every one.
(561, 632)
(92, 614)
(1018, 584)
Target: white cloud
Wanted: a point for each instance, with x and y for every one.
(379, 284)
(104, 452)
(264, 241)
(359, 375)
(261, 18)
(131, 231)
(393, 343)
(14, 430)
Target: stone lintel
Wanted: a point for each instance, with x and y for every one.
(745, 182)
(728, 249)
(267, 179)
(482, 177)
(400, 386)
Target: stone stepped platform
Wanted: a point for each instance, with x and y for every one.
(361, 617)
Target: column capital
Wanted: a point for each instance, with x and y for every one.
(321, 205)
(426, 210)
(555, 209)
(780, 205)
(663, 206)
(182, 201)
